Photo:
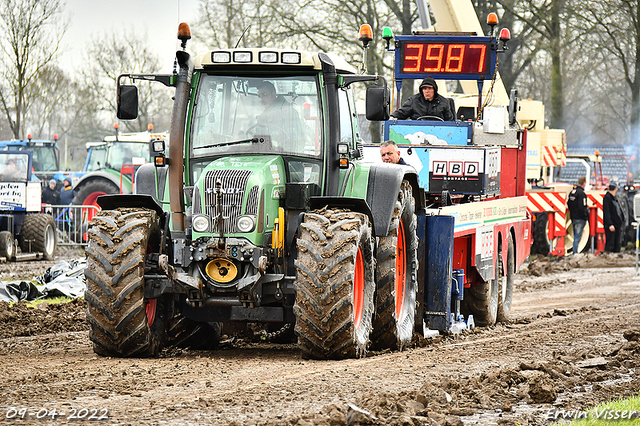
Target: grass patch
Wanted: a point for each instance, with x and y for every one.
(618, 412)
(50, 301)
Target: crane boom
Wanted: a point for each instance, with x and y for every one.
(460, 16)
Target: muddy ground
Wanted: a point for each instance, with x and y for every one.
(573, 342)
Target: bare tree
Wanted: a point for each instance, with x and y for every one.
(546, 18)
(231, 23)
(616, 24)
(118, 53)
(30, 35)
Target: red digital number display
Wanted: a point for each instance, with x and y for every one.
(445, 58)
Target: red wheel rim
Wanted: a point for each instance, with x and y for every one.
(151, 311)
(358, 290)
(92, 200)
(401, 270)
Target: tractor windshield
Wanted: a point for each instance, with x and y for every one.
(97, 158)
(235, 114)
(14, 167)
(121, 153)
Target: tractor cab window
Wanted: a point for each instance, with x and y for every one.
(121, 153)
(97, 158)
(346, 121)
(269, 115)
(44, 158)
(14, 167)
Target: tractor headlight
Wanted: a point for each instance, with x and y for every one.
(245, 223)
(200, 223)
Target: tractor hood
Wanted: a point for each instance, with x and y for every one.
(245, 189)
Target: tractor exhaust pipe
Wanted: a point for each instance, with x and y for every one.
(176, 138)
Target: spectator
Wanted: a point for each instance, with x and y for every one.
(66, 193)
(612, 220)
(51, 195)
(390, 153)
(579, 211)
(426, 103)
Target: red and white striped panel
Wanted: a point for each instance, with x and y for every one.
(549, 156)
(595, 200)
(550, 202)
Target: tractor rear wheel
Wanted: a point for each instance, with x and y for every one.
(38, 234)
(7, 249)
(122, 322)
(334, 284)
(88, 193)
(481, 300)
(396, 277)
(505, 288)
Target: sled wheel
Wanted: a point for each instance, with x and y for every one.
(505, 289)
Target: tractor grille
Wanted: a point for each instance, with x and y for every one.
(234, 183)
(252, 201)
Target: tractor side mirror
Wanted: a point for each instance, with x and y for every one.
(127, 100)
(377, 103)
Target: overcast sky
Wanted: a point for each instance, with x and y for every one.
(158, 19)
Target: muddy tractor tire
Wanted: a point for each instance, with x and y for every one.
(334, 284)
(396, 277)
(505, 287)
(38, 234)
(87, 194)
(481, 299)
(7, 248)
(541, 242)
(122, 322)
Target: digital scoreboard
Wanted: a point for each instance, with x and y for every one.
(445, 57)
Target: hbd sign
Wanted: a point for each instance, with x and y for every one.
(456, 169)
(464, 170)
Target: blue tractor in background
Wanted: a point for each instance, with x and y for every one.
(45, 158)
(21, 222)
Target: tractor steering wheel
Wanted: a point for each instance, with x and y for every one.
(427, 117)
(276, 132)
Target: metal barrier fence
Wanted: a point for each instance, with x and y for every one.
(72, 223)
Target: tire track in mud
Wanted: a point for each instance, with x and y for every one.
(267, 384)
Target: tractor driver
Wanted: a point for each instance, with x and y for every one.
(426, 103)
(11, 172)
(279, 118)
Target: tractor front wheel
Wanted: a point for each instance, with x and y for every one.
(122, 322)
(334, 284)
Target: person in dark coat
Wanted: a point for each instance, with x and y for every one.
(51, 195)
(427, 102)
(579, 211)
(612, 220)
(390, 153)
(66, 193)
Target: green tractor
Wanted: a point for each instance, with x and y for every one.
(262, 212)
